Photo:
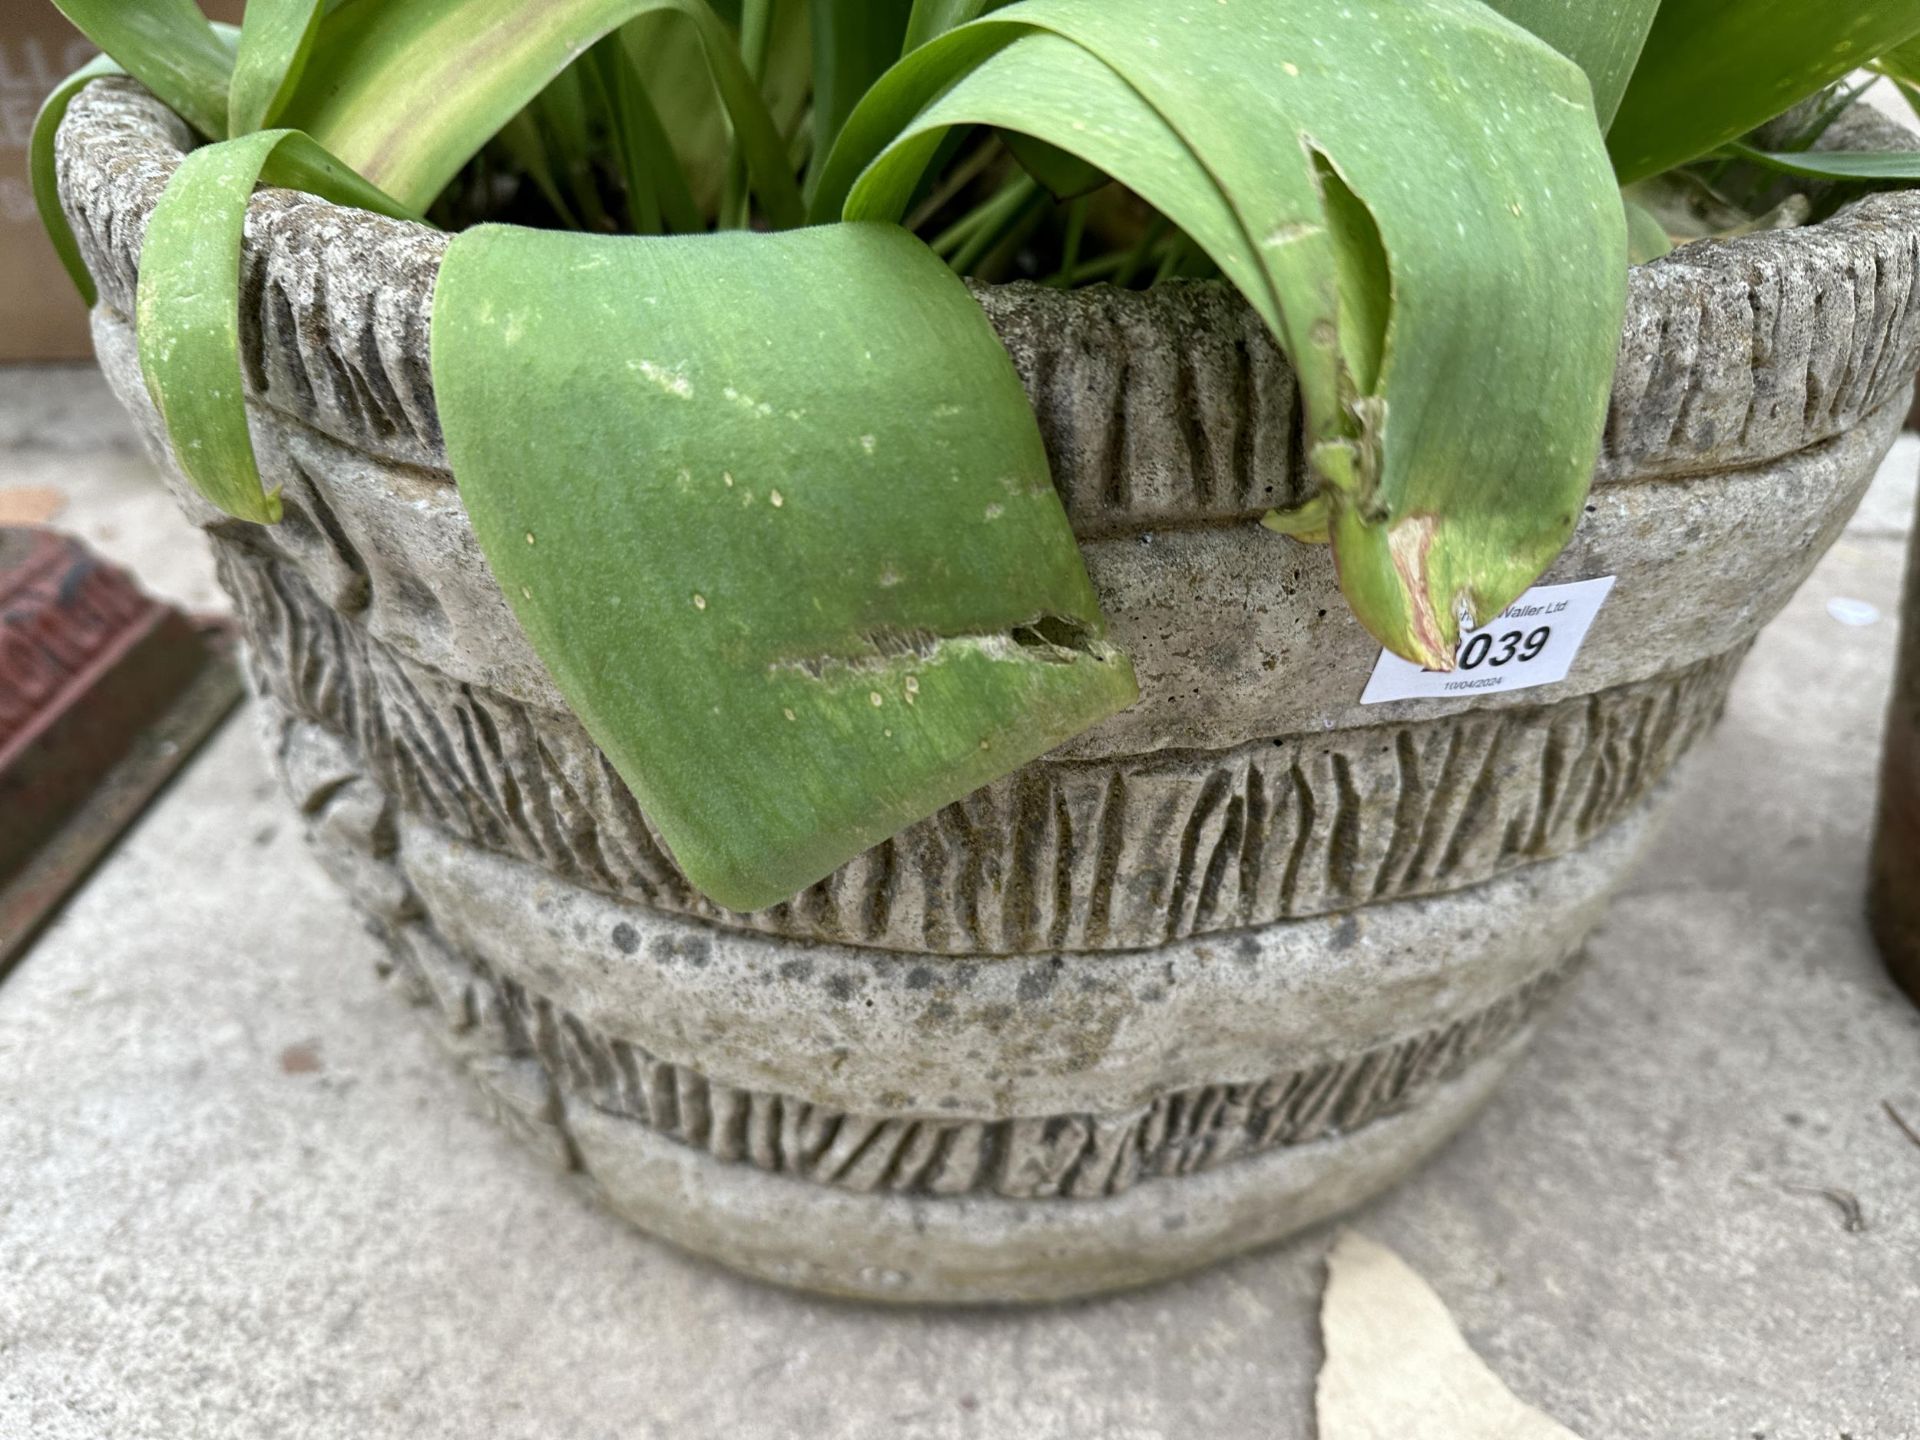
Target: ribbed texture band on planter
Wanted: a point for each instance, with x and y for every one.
(1223, 966)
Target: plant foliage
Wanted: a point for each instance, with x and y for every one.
(771, 506)
(1447, 484)
(915, 618)
(1713, 70)
(189, 322)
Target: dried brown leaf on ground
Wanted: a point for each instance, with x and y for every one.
(30, 504)
(1397, 1365)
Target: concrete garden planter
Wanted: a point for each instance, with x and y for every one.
(1220, 968)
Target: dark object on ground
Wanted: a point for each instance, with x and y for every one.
(1893, 896)
(103, 693)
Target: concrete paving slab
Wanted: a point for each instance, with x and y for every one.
(61, 427)
(245, 1196)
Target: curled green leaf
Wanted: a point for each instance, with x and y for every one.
(169, 47)
(776, 515)
(274, 44)
(188, 302)
(1446, 272)
(42, 169)
(405, 91)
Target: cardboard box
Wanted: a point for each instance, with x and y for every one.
(41, 318)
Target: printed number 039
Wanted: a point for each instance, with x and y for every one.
(1495, 651)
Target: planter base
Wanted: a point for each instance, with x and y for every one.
(887, 1248)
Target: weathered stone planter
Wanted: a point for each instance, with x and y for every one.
(1222, 967)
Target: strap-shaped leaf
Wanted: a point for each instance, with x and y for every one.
(775, 513)
(1603, 37)
(1868, 167)
(169, 47)
(405, 91)
(1446, 269)
(931, 19)
(41, 159)
(756, 29)
(188, 302)
(275, 41)
(854, 41)
(42, 167)
(1713, 70)
(1647, 238)
(658, 195)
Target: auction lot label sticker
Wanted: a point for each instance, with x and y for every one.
(1532, 642)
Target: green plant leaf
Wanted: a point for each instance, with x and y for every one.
(169, 47)
(756, 28)
(188, 302)
(933, 18)
(1647, 238)
(657, 188)
(1603, 37)
(1066, 176)
(42, 168)
(1712, 70)
(1447, 271)
(669, 61)
(1902, 60)
(274, 44)
(1909, 92)
(525, 148)
(405, 91)
(1889, 167)
(42, 160)
(854, 41)
(1901, 66)
(561, 117)
(775, 513)
(889, 107)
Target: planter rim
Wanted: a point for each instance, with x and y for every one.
(1733, 352)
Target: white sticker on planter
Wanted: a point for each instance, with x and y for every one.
(1532, 642)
